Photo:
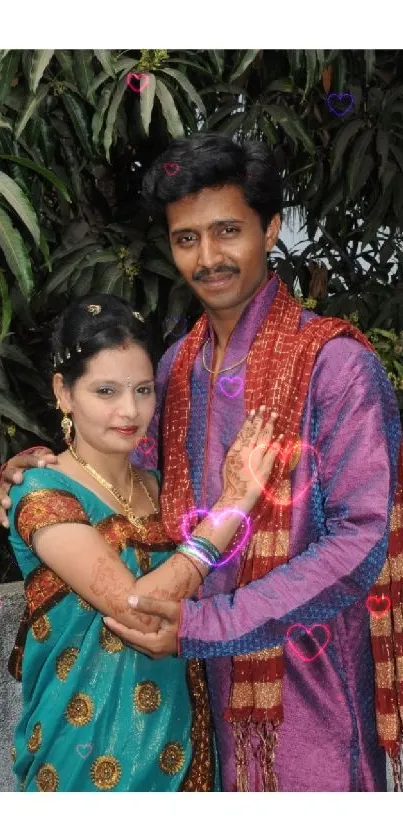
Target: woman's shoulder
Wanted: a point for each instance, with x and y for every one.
(42, 479)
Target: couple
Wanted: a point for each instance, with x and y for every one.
(301, 625)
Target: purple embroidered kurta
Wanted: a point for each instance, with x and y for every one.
(343, 489)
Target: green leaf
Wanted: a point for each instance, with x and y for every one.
(40, 61)
(369, 64)
(64, 272)
(356, 156)
(341, 141)
(98, 118)
(282, 85)
(147, 97)
(13, 353)
(218, 58)
(173, 120)
(334, 198)
(32, 104)
(109, 279)
(6, 309)
(120, 89)
(8, 69)
(65, 59)
(397, 154)
(292, 125)
(84, 73)
(78, 116)
(310, 56)
(17, 415)
(269, 131)
(187, 87)
(40, 170)
(98, 80)
(104, 58)
(16, 255)
(244, 63)
(382, 148)
(5, 123)
(162, 268)
(20, 203)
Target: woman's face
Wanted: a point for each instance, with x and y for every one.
(112, 404)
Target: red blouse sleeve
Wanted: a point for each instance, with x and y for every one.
(44, 507)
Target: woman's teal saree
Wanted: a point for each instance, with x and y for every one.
(98, 716)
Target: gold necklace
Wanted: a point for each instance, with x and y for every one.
(125, 503)
(224, 369)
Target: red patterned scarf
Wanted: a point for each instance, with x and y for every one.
(282, 382)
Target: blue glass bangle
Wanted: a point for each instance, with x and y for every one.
(204, 544)
(199, 554)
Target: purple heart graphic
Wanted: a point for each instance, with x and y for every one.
(340, 96)
(216, 517)
(226, 383)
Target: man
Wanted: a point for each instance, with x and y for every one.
(298, 613)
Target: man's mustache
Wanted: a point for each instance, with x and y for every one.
(222, 269)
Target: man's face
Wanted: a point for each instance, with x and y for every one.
(219, 246)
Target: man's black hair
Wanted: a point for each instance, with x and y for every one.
(212, 160)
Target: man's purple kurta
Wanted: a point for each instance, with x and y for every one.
(339, 536)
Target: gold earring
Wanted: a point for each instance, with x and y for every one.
(67, 425)
(57, 405)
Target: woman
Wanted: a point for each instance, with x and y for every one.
(86, 533)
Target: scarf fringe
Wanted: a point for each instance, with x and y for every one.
(242, 745)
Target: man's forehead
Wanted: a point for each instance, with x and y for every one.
(208, 207)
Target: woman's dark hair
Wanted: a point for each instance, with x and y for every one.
(212, 160)
(83, 330)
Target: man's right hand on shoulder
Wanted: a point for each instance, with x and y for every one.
(12, 473)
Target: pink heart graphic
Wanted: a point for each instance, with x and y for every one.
(284, 456)
(374, 601)
(146, 445)
(216, 517)
(339, 97)
(171, 169)
(137, 76)
(235, 380)
(84, 750)
(308, 631)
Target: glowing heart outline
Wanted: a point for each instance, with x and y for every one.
(340, 96)
(377, 597)
(141, 448)
(267, 493)
(137, 76)
(230, 379)
(170, 166)
(215, 516)
(308, 631)
(84, 746)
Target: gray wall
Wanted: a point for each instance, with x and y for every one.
(11, 609)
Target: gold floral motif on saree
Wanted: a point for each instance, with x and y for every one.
(80, 709)
(109, 641)
(147, 697)
(47, 779)
(172, 758)
(105, 772)
(35, 740)
(65, 662)
(41, 629)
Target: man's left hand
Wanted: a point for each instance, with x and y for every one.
(158, 644)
